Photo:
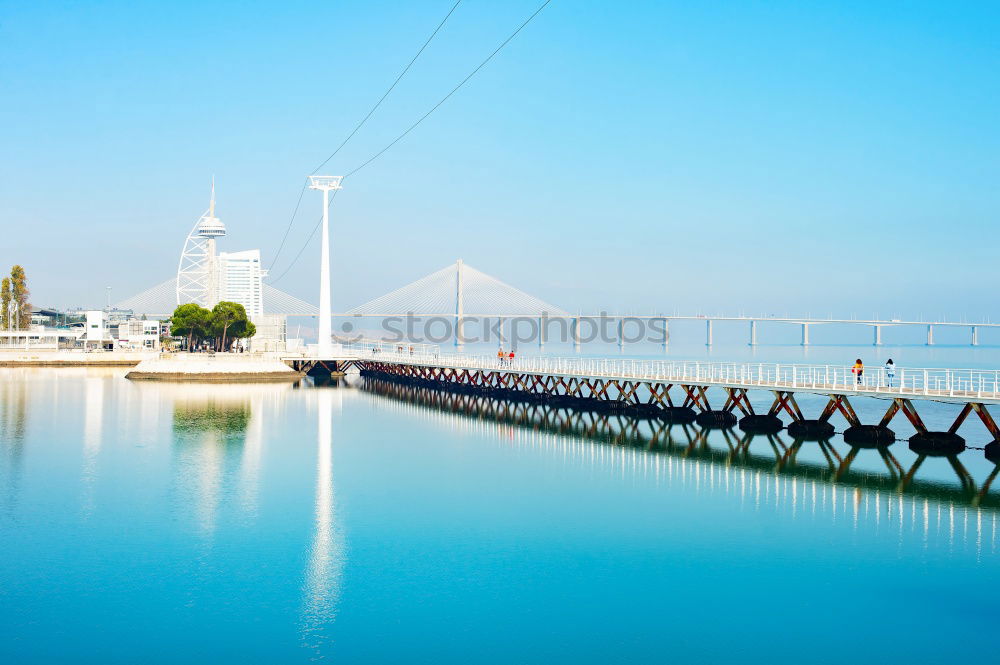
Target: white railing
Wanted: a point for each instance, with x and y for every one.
(379, 349)
(913, 382)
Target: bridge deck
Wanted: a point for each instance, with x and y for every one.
(936, 384)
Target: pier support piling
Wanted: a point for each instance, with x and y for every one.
(877, 329)
(805, 334)
(708, 332)
(975, 336)
(930, 335)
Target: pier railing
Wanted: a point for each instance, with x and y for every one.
(914, 382)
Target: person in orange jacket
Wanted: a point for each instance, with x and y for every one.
(858, 370)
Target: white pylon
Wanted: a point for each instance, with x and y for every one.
(325, 183)
(459, 304)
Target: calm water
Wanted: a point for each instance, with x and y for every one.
(365, 522)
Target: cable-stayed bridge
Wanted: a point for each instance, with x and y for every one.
(457, 290)
(161, 300)
(461, 292)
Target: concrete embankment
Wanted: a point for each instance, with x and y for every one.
(221, 368)
(47, 358)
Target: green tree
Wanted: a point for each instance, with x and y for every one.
(5, 298)
(191, 320)
(229, 320)
(19, 293)
(242, 329)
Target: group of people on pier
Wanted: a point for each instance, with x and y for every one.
(859, 370)
(505, 359)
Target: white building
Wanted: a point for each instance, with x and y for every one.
(39, 337)
(241, 280)
(272, 333)
(137, 334)
(96, 333)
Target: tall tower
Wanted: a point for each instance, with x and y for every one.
(459, 304)
(197, 272)
(326, 184)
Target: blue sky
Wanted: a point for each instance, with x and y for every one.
(633, 156)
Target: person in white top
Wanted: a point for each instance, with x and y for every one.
(890, 371)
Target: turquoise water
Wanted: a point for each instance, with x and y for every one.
(365, 522)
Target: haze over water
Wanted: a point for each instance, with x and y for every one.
(367, 522)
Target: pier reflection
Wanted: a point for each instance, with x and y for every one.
(831, 463)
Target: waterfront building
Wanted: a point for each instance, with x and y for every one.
(241, 280)
(45, 317)
(138, 334)
(110, 330)
(272, 333)
(40, 337)
(96, 333)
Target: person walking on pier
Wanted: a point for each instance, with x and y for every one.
(890, 372)
(510, 357)
(500, 356)
(858, 370)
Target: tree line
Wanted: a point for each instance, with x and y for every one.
(216, 328)
(15, 311)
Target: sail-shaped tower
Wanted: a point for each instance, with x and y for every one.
(197, 272)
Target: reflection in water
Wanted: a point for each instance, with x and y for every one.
(149, 416)
(250, 464)
(93, 430)
(206, 435)
(12, 412)
(762, 470)
(13, 426)
(227, 419)
(326, 559)
(218, 432)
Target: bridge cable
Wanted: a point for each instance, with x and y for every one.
(357, 127)
(453, 91)
(414, 125)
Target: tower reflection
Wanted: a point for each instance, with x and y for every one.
(93, 430)
(326, 554)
